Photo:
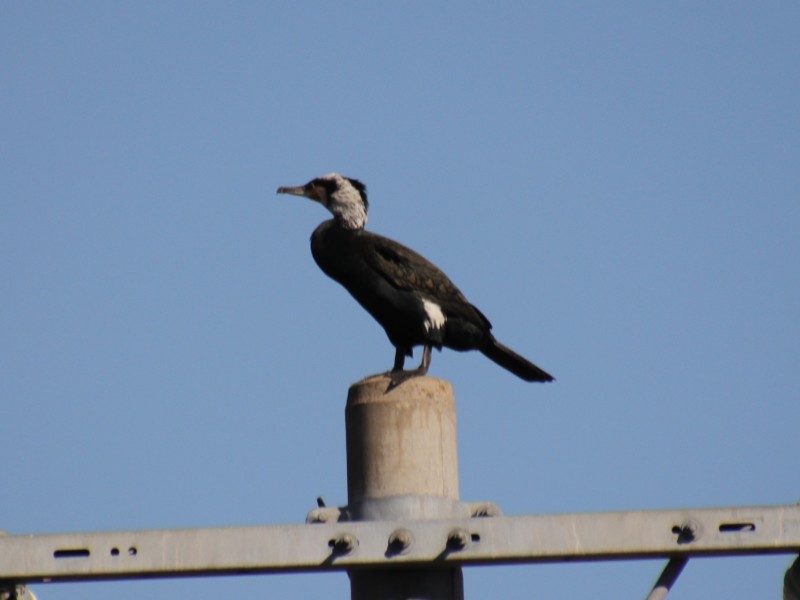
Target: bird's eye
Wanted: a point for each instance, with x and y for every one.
(315, 192)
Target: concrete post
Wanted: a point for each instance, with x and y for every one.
(402, 463)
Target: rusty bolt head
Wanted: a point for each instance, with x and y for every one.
(688, 531)
(400, 540)
(458, 539)
(344, 544)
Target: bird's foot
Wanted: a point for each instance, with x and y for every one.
(398, 377)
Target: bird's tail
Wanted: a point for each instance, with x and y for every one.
(510, 360)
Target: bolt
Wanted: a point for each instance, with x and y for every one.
(318, 516)
(485, 509)
(458, 539)
(343, 544)
(687, 532)
(400, 540)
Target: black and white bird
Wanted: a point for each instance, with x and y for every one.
(412, 299)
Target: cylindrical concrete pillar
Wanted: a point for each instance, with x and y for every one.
(402, 463)
(403, 441)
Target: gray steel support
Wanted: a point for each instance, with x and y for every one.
(402, 464)
(791, 582)
(347, 546)
(668, 578)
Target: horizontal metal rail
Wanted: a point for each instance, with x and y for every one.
(411, 544)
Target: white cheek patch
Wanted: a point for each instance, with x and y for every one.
(435, 317)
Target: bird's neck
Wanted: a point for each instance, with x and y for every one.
(352, 216)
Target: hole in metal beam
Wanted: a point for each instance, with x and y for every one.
(71, 553)
(736, 527)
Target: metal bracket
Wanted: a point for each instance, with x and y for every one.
(10, 591)
(410, 544)
(400, 504)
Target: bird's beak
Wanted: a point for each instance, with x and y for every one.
(294, 191)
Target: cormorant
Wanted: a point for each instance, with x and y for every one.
(414, 301)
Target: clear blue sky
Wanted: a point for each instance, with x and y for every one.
(616, 185)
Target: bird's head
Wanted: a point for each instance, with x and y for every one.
(346, 198)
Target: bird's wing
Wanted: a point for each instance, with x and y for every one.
(407, 270)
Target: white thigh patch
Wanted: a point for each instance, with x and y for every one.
(434, 316)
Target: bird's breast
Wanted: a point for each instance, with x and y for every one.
(336, 252)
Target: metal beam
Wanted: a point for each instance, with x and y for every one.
(433, 543)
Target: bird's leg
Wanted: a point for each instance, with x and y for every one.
(397, 374)
(399, 360)
(422, 369)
